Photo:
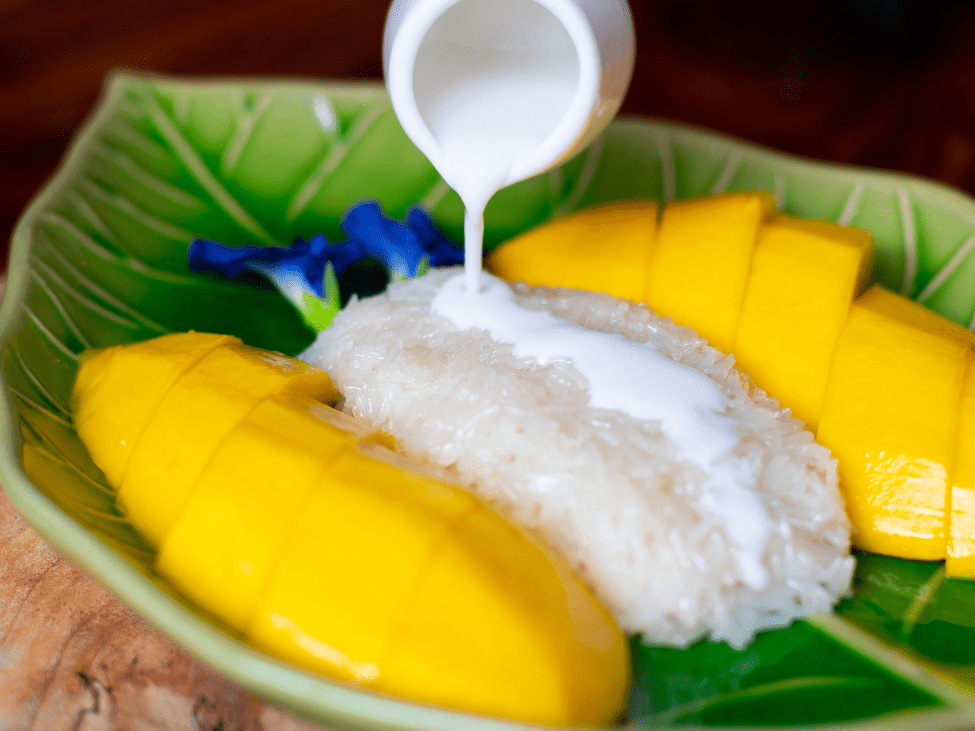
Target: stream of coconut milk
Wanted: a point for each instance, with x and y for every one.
(487, 110)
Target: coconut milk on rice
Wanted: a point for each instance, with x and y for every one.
(722, 530)
(672, 557)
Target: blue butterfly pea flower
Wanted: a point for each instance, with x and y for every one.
(442, 251)
(307, 272)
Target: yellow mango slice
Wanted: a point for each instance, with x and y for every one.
(804, 275)
(525, 667)
(602, 249)
(701, 261)
(118, 389)
(304, 532)
(961, 526)
(226, 542)
(442, 601)
(889, 417)
(371, 527)
(220, 389)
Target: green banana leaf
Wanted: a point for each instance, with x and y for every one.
(99, 259)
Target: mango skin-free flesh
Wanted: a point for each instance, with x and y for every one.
(299, 527)
(880, 379)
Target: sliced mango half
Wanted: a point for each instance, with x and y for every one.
(226, 542)
(603, 249)
(220, 389)
(804, 275)
(961, 529)
(118, 389)
(889, 417)
(303, 531)
(701, 261)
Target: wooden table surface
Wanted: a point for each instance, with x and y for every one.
(888, 84)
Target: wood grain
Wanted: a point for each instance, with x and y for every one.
(72, 658)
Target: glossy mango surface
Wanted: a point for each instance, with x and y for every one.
(960, 560)
(879, 378)
(890, 418)
(803, 276)
(106, 378)
(701, 261)
(297, 525)
(603, 249)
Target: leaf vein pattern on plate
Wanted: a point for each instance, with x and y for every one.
(667, 169)
(89, 303)
(585, 177)
(149, 179)
(909, 241)
(125, 315)
(925, 594)
(923, 674)
(42, 327)
(947, 270)
(438, 191)
(727, 173)
(778, 191)
(851, 206)
(53, 405)
(201, 173)
(307, 190)
(764, 689)
(245, 128)
(59, 306)
(126, 206)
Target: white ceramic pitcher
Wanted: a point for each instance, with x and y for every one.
(549, 74)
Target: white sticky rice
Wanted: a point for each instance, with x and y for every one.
(606, 490)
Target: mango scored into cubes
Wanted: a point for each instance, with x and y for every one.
(296, 525)
(890, 418)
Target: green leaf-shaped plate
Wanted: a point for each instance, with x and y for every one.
(98, 259)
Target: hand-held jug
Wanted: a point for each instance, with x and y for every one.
(495, 91)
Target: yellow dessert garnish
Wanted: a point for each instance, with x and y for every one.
(602, 249)
(803, 276)
(890, 419)
(296, 525)
(701, 261)
(877, 377)
(961, 524)
(117, 406)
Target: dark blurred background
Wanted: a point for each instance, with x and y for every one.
(884, 83)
